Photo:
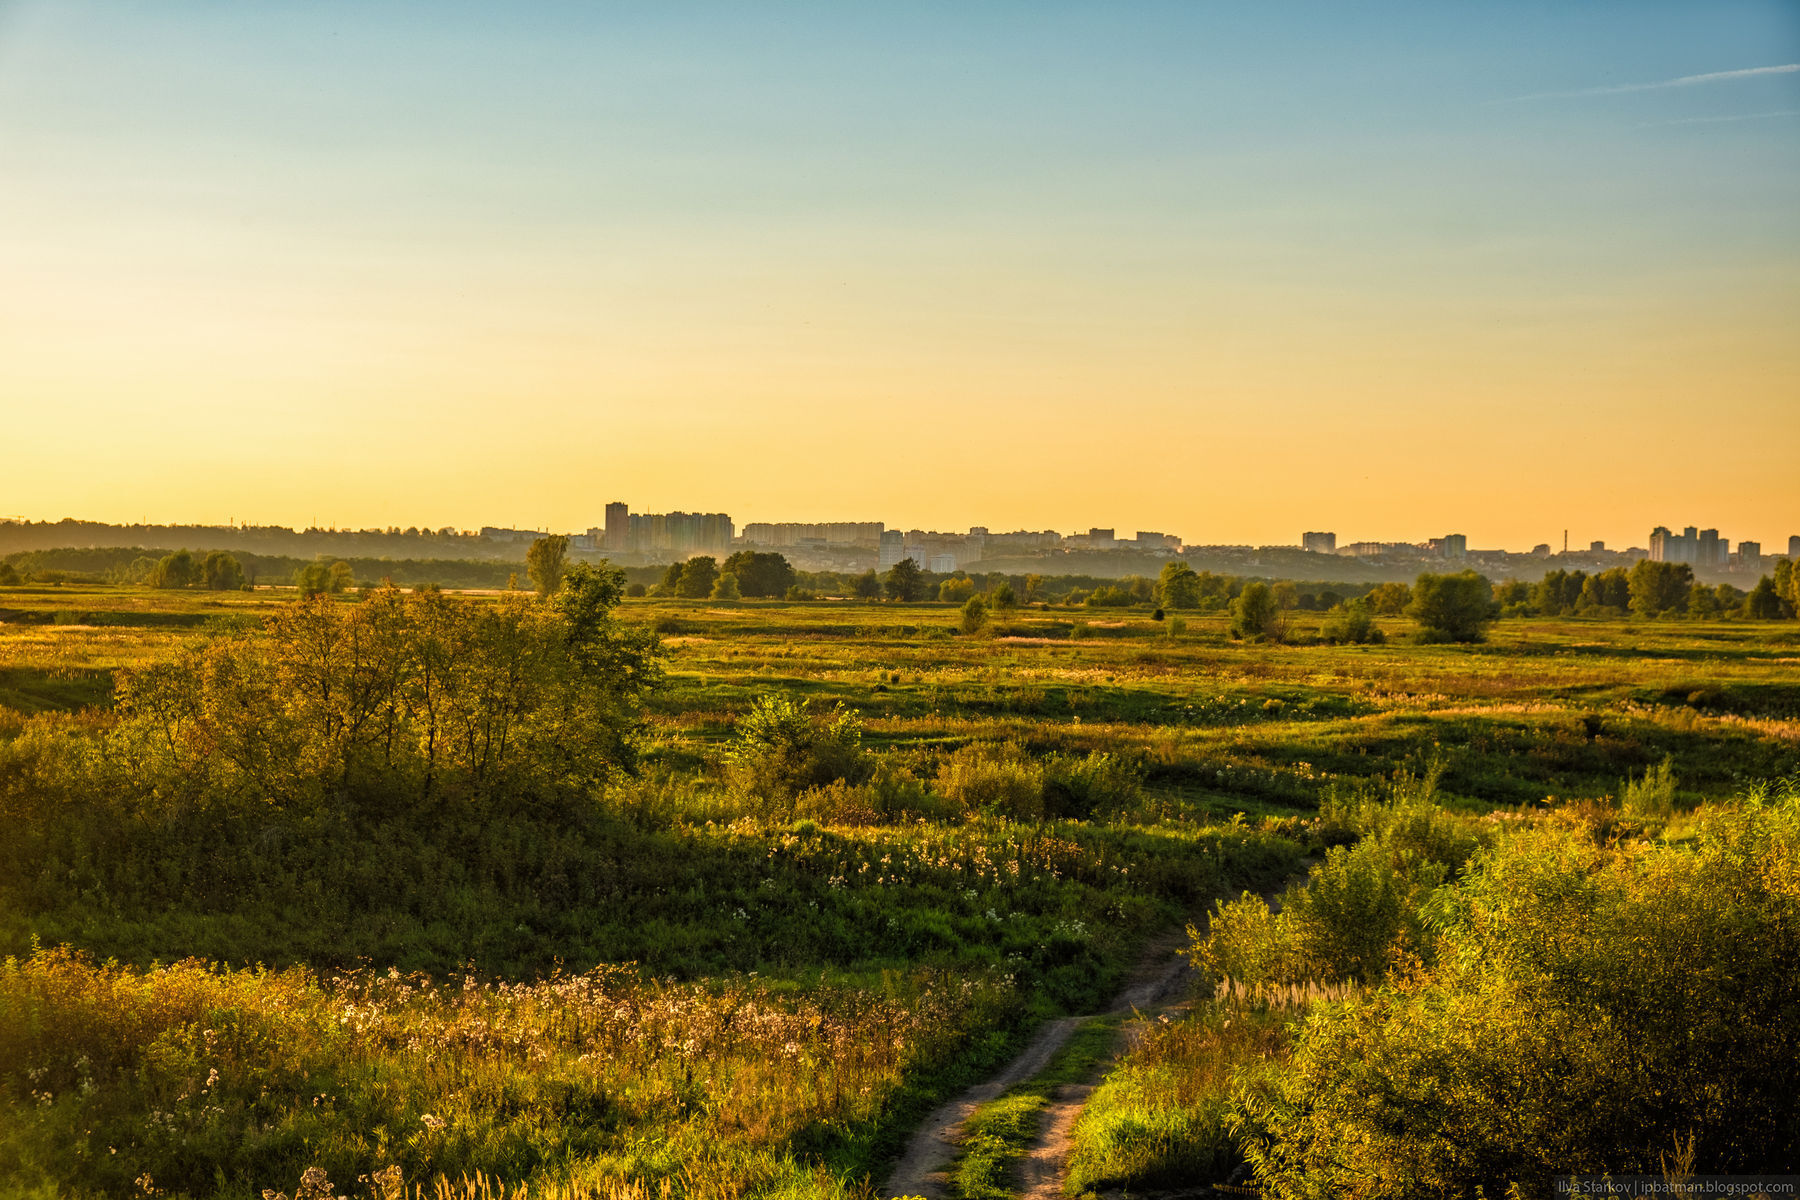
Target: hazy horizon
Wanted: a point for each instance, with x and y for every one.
(1228, 273)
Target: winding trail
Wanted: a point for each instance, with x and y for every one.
(1161, 977)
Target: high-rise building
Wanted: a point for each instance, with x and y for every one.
(1596, 547)
(1456, 545)
(618, 525)
(1749, 556)
(1794, 547)
(1319, 543)
(893, 548)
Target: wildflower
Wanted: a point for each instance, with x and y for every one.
(433, 1123)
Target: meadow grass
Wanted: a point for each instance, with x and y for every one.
(693, 987)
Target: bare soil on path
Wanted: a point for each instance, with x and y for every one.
(1161, 977)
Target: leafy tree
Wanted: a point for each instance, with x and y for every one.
(1787, 586)
(1287, 596)
(221, 572)
(1178, 587)
(1391, 599)
(1109, 597)
(868, 585)
(974, 615)
(1003, 598)
(761, 573)
(1660, 587)
(1513, 597)
(1352, 623)
(320, 578)
(671, 581)
(9, 575)
(1033, 585)
(545, 561)
(727, 587)
(405, 697)
(177, 570)
(1452, 608)
(1558, 592)
(955, 590)
(904, 580)
(1606, 592)
(1254, 614)
(697, 577)
(1703, 602)
(637, 590)
(1764, 602)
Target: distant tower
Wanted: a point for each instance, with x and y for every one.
(618, 525)
(1565, 541)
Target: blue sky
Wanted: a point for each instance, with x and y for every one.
(334, 238)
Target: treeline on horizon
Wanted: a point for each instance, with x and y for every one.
(1647, 589)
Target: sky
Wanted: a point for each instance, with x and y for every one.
(1229, 271)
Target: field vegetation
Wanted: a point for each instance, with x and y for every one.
(716, 896)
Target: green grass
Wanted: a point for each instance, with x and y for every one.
(840, 903)
(1001, 1132)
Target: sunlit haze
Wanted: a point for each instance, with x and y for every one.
(1226, 271)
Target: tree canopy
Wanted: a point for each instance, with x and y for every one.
(1452, 608)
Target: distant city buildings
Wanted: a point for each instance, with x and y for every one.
(1794, 548)
(783, 534)
(1696, 547)
(1319, 543)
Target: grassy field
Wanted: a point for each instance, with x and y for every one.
(700, 986)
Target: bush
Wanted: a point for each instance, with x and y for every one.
(1452, 608)
(781, 749)
(1589, 1010)
(992, 778)
(1352, 624)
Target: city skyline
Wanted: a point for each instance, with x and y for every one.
(1160, 265)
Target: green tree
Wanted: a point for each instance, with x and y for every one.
(1003, 598)
(222, 572)
(1452, 608)
(761, 573)
(974, 615)
(1787, 586)
(698, 575)
(953, 591)
(9, 575)
(1660, 587)
(671, 581)
(1764, 602)
(1254, 614)
(1606, 593)
(545, 561)
(904, 580)
(177, 570)
(868, 585)
(1033, 585)
(727, 587)
(1178, 587)
(1391, 599)
(1352, 623)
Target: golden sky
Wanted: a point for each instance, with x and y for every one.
(1147, 266)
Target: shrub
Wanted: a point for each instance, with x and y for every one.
(781, 749)
(1352, 624)
(992, 778)
(1589, 1010)
(1452, 608)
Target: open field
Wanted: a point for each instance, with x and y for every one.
(698, 980)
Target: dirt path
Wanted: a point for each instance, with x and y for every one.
(1162, 975)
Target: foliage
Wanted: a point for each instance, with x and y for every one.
(760, 573)
(324, 579)
(1659, 587)
(1390, 599)
(904, 580)
(220, 572)
(698, 575)
(1353, 624)
(1003, 598)
(1651, 798)
(1764, 602)
(1254, 614)
(726, 587)
(177, 570)
(1178, 587)
(1587, 1011)
(9, 575)
(955, 590)
(397, 697)
(545, 560)
(781, 749)
(1451, 608)
(974, 615)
